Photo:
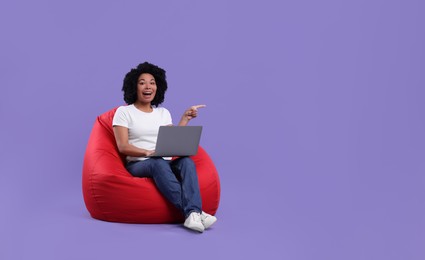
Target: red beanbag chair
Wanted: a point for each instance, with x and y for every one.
(112, 194)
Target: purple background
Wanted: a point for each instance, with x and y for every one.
(314, 118)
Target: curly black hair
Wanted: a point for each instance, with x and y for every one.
(130, 83)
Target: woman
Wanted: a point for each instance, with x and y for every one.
(136, 128)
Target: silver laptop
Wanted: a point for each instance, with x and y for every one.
(177, 141)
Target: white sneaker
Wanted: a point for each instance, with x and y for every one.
(194, 222)
(207, 219)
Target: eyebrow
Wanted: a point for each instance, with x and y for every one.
(144, 80)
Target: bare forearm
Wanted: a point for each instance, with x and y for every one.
(131, 150)
(183, 122)
(124, 147)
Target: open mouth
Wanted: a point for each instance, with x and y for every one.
(147, 93)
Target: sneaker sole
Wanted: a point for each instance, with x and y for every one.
(199, 229)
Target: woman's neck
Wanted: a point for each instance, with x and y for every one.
(144, 107)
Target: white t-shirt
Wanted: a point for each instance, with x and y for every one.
(142, 127)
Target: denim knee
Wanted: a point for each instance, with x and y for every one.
(185, 162)
(159, 165)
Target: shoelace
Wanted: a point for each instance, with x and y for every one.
(196, 217)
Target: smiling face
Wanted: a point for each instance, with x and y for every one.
(146, 89)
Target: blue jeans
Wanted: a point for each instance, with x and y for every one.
(176, 180)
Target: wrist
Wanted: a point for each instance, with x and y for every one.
(183, 121)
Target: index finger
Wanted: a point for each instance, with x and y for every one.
(198, 106)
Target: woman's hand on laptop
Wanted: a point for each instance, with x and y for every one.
(189, 114)
(149, 152)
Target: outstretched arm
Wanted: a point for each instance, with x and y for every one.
(189, 114)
